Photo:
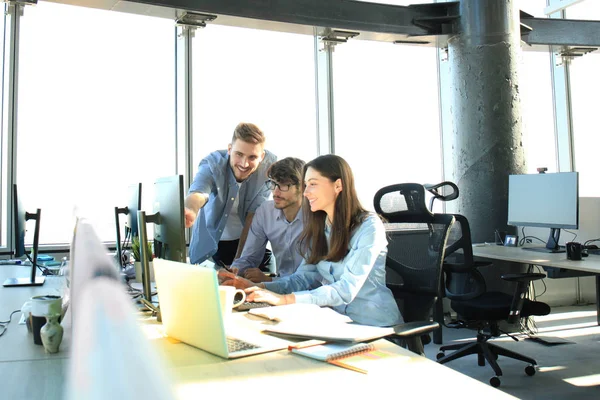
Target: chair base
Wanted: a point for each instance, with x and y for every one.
(485, 351)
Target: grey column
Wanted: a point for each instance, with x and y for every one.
(485, 142)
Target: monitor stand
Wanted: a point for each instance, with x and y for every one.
(551, 245)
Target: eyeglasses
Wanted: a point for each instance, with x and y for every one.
(271, 184)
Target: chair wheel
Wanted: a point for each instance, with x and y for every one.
(440, 355)
(530, 370)
(495, 381)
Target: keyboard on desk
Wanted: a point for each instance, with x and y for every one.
(234, 344)
(595, 252)
(247, 305)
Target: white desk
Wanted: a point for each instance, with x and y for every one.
(26, 372)
(589, 264)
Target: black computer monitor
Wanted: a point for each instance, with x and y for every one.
(546, 201)
(20, 217)
(134, 204)
(169, 227)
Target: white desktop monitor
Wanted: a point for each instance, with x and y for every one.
(544, 200)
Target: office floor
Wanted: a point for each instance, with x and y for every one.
(567, 371)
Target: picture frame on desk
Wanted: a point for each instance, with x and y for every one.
(511, 240)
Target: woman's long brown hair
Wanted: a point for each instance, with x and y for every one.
(348, 214)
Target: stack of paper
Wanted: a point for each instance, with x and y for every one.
(297, 313)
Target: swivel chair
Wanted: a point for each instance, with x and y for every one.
(416, 245)
(483, 310)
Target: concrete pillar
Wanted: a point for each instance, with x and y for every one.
(485, 144)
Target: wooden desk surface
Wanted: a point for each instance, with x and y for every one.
(517, 254)
(27, 372)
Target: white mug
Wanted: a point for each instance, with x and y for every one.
(227, 297)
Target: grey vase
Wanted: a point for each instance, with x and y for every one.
(51, 334)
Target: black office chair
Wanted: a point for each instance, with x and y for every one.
(481, 309)
(416, 243)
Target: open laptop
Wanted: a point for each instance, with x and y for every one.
(191, 312)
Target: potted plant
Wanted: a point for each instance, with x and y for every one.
(135, 250)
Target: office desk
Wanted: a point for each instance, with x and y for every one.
(589, 264)
(26, 372)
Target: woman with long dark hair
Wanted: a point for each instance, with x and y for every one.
(344, 249)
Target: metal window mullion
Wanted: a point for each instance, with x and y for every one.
(183, 101)
(324, 96)
(184, 124)
(563, 123)
(15, 11)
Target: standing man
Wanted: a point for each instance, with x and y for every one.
(278, 221)
(227, 189)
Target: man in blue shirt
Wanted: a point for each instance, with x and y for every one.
(278, 221)
(227, 189)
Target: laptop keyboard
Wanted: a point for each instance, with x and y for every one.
(247, 305)
(234, 345)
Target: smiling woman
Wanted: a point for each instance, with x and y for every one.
(344, 249)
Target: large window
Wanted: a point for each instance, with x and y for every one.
(584, 89)
(535, 87)
(387, 114)
(257, 76)
(95, 112)
(3, 121)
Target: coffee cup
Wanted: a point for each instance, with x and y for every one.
(37, 309)
(230, 298)
(574, 250)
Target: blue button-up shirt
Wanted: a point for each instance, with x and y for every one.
(269, 224)
(354, 286)
(215, 178)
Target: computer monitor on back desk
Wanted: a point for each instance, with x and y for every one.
(546, 201)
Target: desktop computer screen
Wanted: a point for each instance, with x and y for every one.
(544, 200)
(134, 204)
(169, 226)
(169, 232)
(20, 218)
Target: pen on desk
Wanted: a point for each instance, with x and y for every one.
(306, 343)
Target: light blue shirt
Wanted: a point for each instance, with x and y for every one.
(354, 286)
(269, 224)
(215, 178)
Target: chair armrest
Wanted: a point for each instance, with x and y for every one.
(461, 267)
(416, 328)
(525, 278)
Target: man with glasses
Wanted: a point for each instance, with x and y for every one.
(227, 189)
(278, 221)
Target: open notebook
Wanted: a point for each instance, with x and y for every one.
(191, 313)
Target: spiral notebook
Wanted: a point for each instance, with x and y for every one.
(355, 357)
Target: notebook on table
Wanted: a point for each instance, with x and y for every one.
(331, 332)
(357, 357)
(191, 313)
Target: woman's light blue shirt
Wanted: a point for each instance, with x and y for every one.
(354, 286)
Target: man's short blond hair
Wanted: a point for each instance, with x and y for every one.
(248, 133)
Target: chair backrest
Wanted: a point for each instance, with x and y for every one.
(416, 239)
(459, 248)
(462, 280)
